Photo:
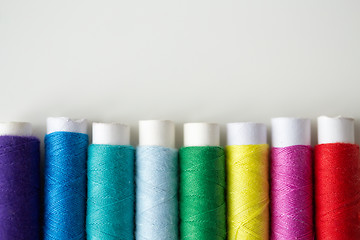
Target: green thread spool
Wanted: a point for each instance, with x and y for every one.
(202, 184)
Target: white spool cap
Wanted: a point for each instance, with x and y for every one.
(336, 130)
(111, 133)
(246, 133)
(63, 124)
(287, 132)
(201, 134)
(157, 133)
(15, 129)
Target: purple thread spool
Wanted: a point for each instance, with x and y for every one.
(291, 180)
(19, 182)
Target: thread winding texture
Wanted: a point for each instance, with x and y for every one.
(156, 193)
(19, 184)
(337, 191)
(292, 193)
(65, 185)
(248, 191)
(202, 193)
(110, 203)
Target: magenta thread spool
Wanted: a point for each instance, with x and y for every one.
(291, 180)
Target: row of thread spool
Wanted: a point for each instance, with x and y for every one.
(110, 199)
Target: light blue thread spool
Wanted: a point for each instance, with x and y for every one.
(156, 182)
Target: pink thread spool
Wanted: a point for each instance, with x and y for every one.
(291, 180)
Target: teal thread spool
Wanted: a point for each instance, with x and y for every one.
(110, 204)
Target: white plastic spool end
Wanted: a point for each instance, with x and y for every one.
(157, 133)
(64, 124)
(246, 133)
(287, 132)
(336, 130)
(111, 133)
(15, 129)
(201, 134)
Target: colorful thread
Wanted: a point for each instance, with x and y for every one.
(248, 191)
(65, 186)
(292, 193)
(111, 192)
(337, 191)
(19, 184)
(202, 193)
(156, 193)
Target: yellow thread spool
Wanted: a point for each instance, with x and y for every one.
(248, 191)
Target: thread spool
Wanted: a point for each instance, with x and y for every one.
(111, 134)
(111, 193)
(247, 181)
(246, 133)
(23, 129)
(66, 146)
(336, 130)
(19, 182)
(337, 180)
(202, 183)
(291, 179)
(157, 133)
(156, 181)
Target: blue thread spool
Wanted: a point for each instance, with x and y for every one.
(65, 179)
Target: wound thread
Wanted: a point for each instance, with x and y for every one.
(156, 193)
(337, 191)
(292, 193)
(202, 193)
(65, 185)
(111, 193)
(248, 191)
(19, 184)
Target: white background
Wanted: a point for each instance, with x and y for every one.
(184, 60)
